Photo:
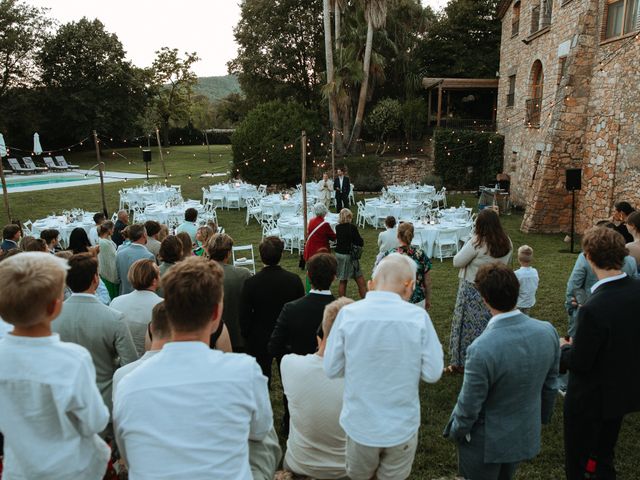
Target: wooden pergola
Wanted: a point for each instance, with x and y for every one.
(459, 84)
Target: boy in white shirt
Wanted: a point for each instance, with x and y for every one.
(51, 408)
(528, 278)
(382, 346)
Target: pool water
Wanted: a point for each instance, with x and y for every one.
(33, 181)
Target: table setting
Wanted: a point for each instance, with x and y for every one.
(64, 223)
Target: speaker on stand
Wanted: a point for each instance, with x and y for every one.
(573, 182)
(146, 158)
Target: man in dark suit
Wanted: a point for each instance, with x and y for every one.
(602, 360)
(262, 299)
(342, 187)
(121, 224)
(10, 237)
(297, 325)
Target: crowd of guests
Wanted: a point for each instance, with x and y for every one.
(138, 350)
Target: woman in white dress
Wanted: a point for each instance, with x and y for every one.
(325, 190)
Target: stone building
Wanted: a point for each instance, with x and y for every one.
(570, 98)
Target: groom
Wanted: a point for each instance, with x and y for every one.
(342, 187)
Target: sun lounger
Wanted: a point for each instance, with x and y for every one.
(16, 167)
(29, 163)
(63, 163)
(48, 161)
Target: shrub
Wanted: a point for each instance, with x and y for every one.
(466, 159)
(385, 119)
(364, 173)
(259, 142)
(434, 180)
(414, 118)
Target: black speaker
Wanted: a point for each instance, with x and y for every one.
(146, 156)
(573, 179)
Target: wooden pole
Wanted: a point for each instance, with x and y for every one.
(164, 168)
(304, 183)
(101, 171)
(5, 194)
(206, 138)
(439, 104)
(333, 153)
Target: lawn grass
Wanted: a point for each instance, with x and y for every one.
(436, 457)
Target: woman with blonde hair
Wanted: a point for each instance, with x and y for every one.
(203, 234)
(422, 292)
(488, 244)
(348, 251)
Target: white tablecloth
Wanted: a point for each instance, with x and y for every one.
(144, 196)
(60, 223)
(170, 215)
(428, 234)
(455, 214)
(225, 190)
(294, 224)
(379, 209)
(419, 193)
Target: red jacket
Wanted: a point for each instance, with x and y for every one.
(320, 239)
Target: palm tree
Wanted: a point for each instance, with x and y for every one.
(330, 89)
(375, 13)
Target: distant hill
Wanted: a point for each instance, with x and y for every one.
(216, 88)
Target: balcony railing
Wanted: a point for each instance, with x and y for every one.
(534, 109)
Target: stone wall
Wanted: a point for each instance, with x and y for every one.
(589, 117)
(401, 170)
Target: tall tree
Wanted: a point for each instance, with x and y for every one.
(88, 83)
(280, 50)
(23, 29)
(173, 80)
(463, 42)
(330, 71)
(376, 15)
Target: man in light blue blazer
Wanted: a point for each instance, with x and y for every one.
(509, 386)
(128, 256)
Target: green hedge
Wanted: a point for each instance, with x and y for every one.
(466, 159)
(258, 144)
(364, 173)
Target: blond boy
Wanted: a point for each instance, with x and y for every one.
(528, 278)
(51, 408)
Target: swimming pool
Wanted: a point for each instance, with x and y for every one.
(45, 180)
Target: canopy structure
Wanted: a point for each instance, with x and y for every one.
(459, 85)
(37, 148)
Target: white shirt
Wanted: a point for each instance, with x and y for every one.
(388, 240)
(128, 368)
(188, 412)
(94, 238)
(5, 328)
(382, 346)
(528, 278)
(51, 411)
(137, 307)
(320, 292)
(316, 443)
(607, 280)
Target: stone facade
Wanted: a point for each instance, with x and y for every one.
(402, 170)
(589, 114)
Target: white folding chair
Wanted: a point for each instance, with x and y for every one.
(26, 228)
(244, 261)
(262, 190)
(446, 238)
(352, 197)
(253, 210)
(233, 200)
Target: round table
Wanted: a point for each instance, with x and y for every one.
(63, 225)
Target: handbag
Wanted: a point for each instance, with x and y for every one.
(356, 251)
(302, 263)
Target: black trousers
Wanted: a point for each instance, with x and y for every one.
(342, 201)
(265, 360)
(588, 438)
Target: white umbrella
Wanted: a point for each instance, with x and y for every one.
(37, 148)
(3, 148)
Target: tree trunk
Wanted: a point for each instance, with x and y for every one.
(328, 50)
(338, 25)
(364, 87)
(165, 132)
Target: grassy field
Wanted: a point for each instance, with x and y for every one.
(436, 457)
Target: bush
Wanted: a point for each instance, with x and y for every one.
(364, 173)
(259, 142)
(414, 118)
(466, 159)
(385, 119)
(434, 180)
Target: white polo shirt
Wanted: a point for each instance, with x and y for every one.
(528, 278)
(189, 411)
(51, 410)
(382, 346)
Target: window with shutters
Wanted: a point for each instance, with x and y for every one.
(621, 17)
(511, 96)
(534, 103)
(515, 21)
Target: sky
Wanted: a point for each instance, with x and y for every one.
(143, 26)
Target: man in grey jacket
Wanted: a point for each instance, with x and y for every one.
(98, 328)
(128, 256)
(509, 386)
